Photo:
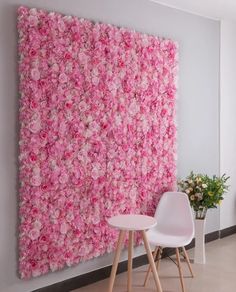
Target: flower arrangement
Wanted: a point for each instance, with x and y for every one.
(204, 192)
(97, 136)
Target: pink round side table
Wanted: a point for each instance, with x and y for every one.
(131, 223)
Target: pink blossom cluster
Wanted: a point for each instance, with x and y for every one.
(97, 137)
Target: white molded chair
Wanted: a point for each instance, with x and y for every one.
(175, 229)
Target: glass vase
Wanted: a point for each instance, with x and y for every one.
(199, 250)
(201, 214)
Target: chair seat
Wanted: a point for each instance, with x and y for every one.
(159, 238)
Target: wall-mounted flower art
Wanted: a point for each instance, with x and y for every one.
(97, 136)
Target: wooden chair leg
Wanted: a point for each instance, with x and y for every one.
(149, 267)
(180, 270)
(159, 258)
(116, 260)
(188, 261)
(130, 259)
(151, 261)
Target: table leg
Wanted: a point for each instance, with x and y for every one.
(130, 258)
(151, 261)
(116, 260)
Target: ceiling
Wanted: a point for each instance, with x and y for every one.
(216, 9)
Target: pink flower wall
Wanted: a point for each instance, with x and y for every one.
(97, 137)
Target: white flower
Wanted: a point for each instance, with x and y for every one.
(83, 106)
(97, 171)
(95, 80)
(36, 273)
(35, 74)
(118, 120)
(199, 196)
(204, 186)
(34, 234)
(35, 126)
(88, 133)
(33, 11)
(134, 108)
(37, 224)
(89, 119)
(63, 228)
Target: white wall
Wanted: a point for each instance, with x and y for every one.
(228, 120)
(198, 107)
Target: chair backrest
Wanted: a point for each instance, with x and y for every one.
(174, 214)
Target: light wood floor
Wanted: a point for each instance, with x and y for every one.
(217, 275)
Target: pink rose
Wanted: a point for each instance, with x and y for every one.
(63, 78)
(43, 134)
(63, 228)
(32, 53)
(33, 157)
(34, 234)
(35, 126)
(63, 178)
(35, 74)
(55, 67)
(67, 56)
(33, 20)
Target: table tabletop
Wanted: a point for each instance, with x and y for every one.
(132, 222)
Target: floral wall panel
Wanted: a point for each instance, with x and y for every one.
(97, 135)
